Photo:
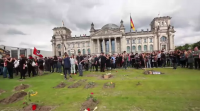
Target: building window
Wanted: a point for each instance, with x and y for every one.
(133, 41)
(145, 40)
(83, 44)
(145, 47)
(59, 46)
(163, 47)
(128, 49)
(151, 47)
(133, 48)
(79, 50)
(88, 44)
(139, 41)
(59, 53)
(88, 51)
(139, 48)
(163, 39)
(78, 45)
(127, 41)
(151, 40)
(83, 51)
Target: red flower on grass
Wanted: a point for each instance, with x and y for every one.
(34, 107)
(88, 109)
(116, 71)
(92, 93)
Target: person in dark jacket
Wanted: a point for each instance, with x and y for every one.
(22, 64)
(96, 62)
(174, 59)
(103, 62)
(67, 66)
(30, 67)
(10, 65)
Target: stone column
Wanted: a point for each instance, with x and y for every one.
(110, 49)
(155, 43)
(104, 47)
(62, 48)
(142, 45)
(98, 46)
(91, 46)
(115, 44)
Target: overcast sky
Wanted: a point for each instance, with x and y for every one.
(29, 23)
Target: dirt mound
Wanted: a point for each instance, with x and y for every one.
(109, 85)
(77, 84)
(2, 91)
(21, 87)
(70, 80)
(38, 108)
(15, 97)
(90, 85)
(89, 104)
(61, 85)
(152, 72)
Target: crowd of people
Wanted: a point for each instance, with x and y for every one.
(71, 65)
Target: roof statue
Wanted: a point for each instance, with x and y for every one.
(63, 23)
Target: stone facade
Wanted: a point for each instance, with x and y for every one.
(113, 39)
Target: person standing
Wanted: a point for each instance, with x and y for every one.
(16, 66)
(80, 60)
(113, 61)
(41, 66)
(175, 56)
(31, 66)
(22, 64)
(163, 59)
(190, 59)
(73, 61)
(5, 70)
(10, 65)
(1, 66)
(67, 66)
(124, 59)
(55, 61)
(96, 62)
(196, 56)
(103, 62)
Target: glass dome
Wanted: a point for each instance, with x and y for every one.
(109, 26)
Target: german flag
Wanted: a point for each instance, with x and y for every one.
(132, 25)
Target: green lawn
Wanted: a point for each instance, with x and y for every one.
(176, 90)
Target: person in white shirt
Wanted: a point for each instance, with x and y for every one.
(73, 63)
(16, 66)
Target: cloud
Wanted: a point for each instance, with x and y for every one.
(31, 45)
(35, 19)
(14, 32)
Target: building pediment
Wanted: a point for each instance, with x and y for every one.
(105, 32)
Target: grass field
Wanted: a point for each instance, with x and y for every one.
(176, 90)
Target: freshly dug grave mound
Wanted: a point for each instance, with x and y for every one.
(90, 85)
(77, 84)
(152, 72)
(109, 85)
(2, 91)
(15, 97)
(61, 85)
(21, 87)
(90, 103)
(38, 108)
(70, 80)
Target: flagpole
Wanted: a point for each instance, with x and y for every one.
(130, 33)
